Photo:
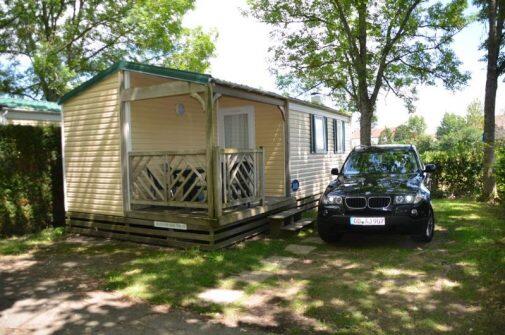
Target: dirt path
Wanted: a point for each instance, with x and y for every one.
(53, 295)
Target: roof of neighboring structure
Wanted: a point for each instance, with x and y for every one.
(376, 132)
(29, 105)
(195, 77)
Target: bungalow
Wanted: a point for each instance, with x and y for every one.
(28, 112)
(172, 157)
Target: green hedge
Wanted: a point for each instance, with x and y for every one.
(500, 169)
(459, 171)
(31, 182)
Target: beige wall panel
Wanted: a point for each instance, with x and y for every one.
(311, 170)
(92, 149)
(269, 135)
(155, 124)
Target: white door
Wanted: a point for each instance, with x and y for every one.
(236, 127)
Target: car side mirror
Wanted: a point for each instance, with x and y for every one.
(334, 171)
(430, 168)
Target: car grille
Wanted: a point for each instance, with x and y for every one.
(355, 202)
(378, 202)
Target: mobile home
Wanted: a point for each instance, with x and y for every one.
(178, 158)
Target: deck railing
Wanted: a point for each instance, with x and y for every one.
(168, 178)
(179, 178)
(241, 172)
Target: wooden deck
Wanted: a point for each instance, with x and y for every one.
(196, 216)
(181, 227)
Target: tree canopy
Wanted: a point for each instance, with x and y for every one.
(353, 50)
(47, 46)
(465, 131)
(410, 131)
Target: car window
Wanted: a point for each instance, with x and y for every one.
(379, 162)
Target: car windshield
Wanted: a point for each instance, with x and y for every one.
(381, 162)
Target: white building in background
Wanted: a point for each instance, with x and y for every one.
(28, 112)
(355, 141)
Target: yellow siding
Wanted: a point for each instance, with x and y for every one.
(93, 150)
(156, 126)
(140, 80)
(269, 135)
(311, 170)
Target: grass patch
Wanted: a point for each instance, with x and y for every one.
(361, 285)
(176, 277)
(383, 285)
(19, 245)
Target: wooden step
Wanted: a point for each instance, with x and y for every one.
(291, 212)
(298, 225)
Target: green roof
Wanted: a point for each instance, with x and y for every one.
(151, 69)
(195, 77)
(27, 104)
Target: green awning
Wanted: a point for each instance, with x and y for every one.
(27, 104)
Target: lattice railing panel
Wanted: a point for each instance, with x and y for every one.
(241, 176)
(168, 178)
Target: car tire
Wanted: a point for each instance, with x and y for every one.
(328, 233)
(428, 231)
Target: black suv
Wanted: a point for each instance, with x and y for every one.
(381, 188)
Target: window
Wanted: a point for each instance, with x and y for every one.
(339, 136)
(342, 134)
(319, 134)
(381, 162)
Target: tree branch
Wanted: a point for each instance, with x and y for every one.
(347, 29)
(387, 48)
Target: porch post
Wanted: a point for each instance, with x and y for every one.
(125, 123)
(287, 166)
(211, 142)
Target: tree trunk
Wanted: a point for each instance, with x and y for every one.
(489, 180)
(365, 123)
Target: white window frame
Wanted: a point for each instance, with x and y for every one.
(339, 134)
(313, 134)
(249, 111)
(343, 135)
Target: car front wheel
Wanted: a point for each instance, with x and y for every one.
(328, 233)
(428, 231)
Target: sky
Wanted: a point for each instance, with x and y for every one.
(242, 57)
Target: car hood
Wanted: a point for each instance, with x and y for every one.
(375, 184)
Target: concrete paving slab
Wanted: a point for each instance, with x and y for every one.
(300, 249)
(313, 240)
(221, 296)
(279, 261)
(252, 276)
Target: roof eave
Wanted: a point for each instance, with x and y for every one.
(136, 67)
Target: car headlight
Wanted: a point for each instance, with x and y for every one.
(409, 198)
(404, 199)
(419, 197)
(332, 200)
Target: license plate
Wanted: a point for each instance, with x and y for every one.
(369, 221)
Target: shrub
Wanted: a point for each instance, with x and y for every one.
(500, 168)
(31, 183)
(459, 171)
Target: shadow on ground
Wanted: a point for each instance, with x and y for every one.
(383, 284)
(362, 285)
(54, 290)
